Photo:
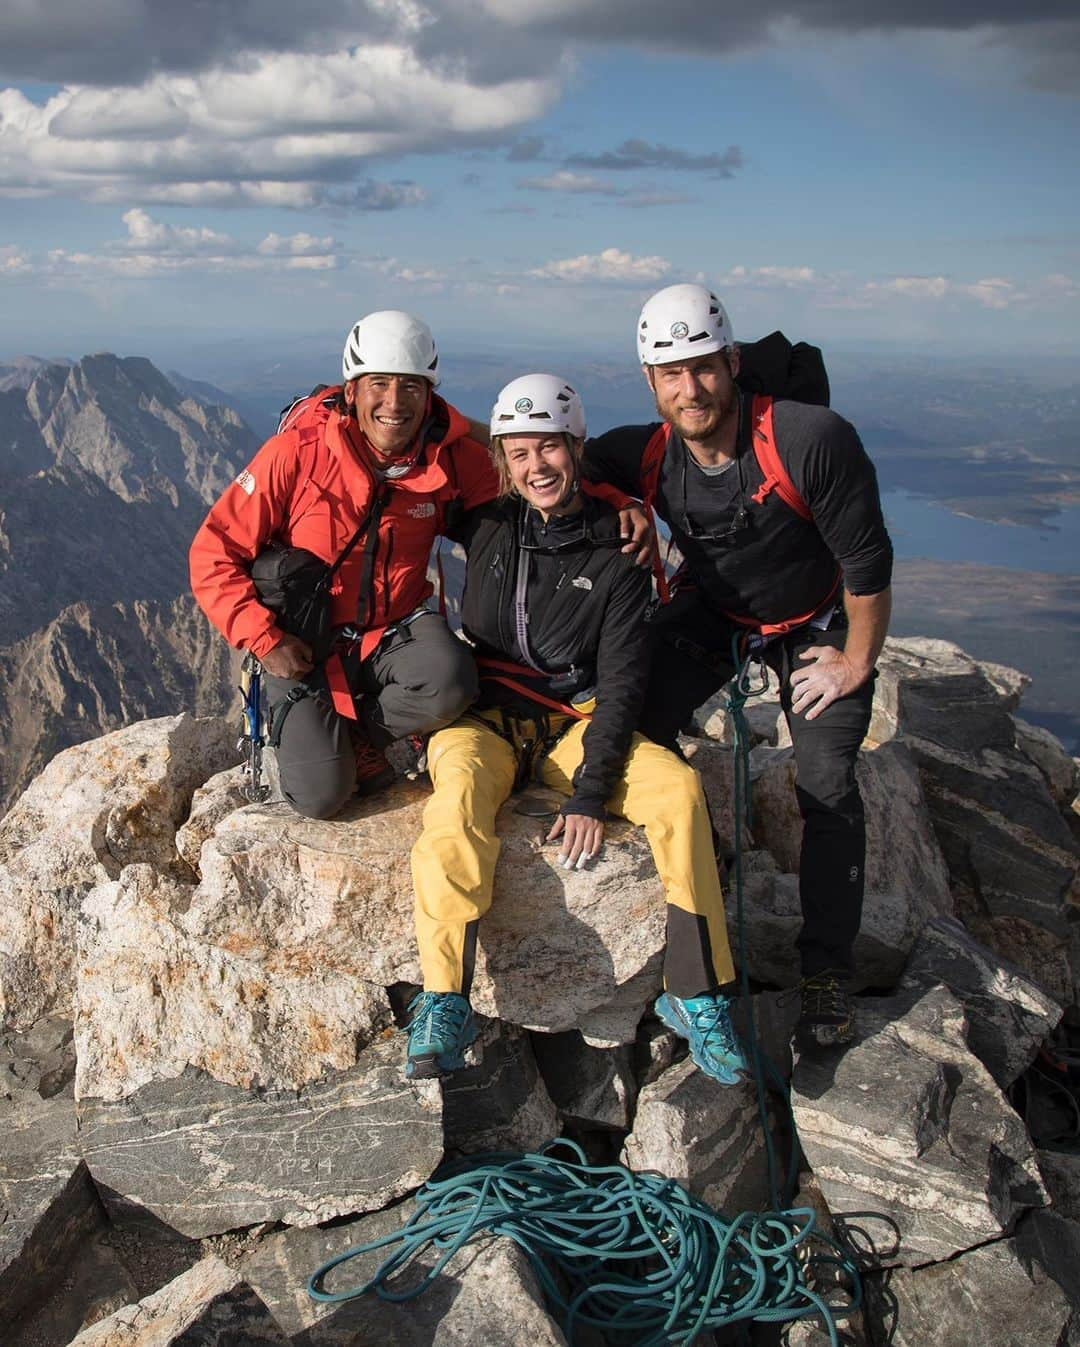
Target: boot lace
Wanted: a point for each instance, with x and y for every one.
(439, 1018)
(823, 995)
(709, 1018)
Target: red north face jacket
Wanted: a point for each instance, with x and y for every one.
(310, 488)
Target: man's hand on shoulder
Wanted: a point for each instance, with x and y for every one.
(290, 658)
(829, 676)
(637, 528)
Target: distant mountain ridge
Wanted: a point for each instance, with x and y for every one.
(106, 470)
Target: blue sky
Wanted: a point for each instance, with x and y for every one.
(525, 172)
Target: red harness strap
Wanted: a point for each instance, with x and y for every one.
(651, 459)
(508, 667)
(340, 695)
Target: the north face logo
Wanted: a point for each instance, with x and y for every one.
(424, 510)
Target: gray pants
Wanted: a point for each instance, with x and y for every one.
(419, 679)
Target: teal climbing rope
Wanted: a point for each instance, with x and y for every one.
(633, 1255)
(740, 690)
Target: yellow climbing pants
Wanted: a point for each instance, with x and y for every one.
(472, 769)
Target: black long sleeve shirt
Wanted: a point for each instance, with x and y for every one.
(774, 565)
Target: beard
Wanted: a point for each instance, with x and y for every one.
(701, 428)
(718, 406)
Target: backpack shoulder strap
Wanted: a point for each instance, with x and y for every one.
(309, 407)
(776, 475)
(651, 458)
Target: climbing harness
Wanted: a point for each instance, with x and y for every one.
(252, 740)
(632, 1255)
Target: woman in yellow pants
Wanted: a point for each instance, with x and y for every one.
(556, 612)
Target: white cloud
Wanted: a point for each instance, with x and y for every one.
(565, 181)
(914, 287)
(993, 292)
(773, 275)
(292, 124)
(295, 245)
(147, 235)
(610, 265)
(396, 270)
(13, 261)
(154, 248)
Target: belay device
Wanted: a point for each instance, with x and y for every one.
(252, 740)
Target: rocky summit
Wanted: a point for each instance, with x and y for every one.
(203, 1096)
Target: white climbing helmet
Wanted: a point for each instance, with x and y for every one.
(390, 342)
(680, 322)
(538, 403)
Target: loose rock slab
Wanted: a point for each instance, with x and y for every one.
(207, 1306)
(985, 1296)
(499, 1103)
(589, 1085)
(1001, 831)
(908, 1123)
(96, 807)
(48, 1206)
(207, 1157)
(704, 1134)
(1008, 1015)
(486, 1295)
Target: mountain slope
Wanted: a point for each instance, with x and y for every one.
(106, 470)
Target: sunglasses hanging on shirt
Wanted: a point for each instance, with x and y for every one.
(740, 521)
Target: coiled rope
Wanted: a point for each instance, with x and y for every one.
(631, 1254)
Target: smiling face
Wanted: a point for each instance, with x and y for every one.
(696, 395)
(389, 409)
(543, 469)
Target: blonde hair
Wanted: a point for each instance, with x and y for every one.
(502, 468)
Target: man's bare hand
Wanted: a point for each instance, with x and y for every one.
(290, 658)
(829, 676)
(636, 526)
(582, 838)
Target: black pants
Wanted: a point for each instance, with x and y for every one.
(418, 679)
(692, 661)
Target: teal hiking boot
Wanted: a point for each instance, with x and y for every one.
(705, 1022)
(440, 1029)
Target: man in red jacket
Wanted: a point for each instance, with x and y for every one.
(382, 454)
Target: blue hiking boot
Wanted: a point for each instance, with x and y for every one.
(705, 1022)
(441, 1028)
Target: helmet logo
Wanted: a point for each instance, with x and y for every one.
(523, 405)
(679, 330)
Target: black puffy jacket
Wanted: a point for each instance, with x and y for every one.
(586, 604)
